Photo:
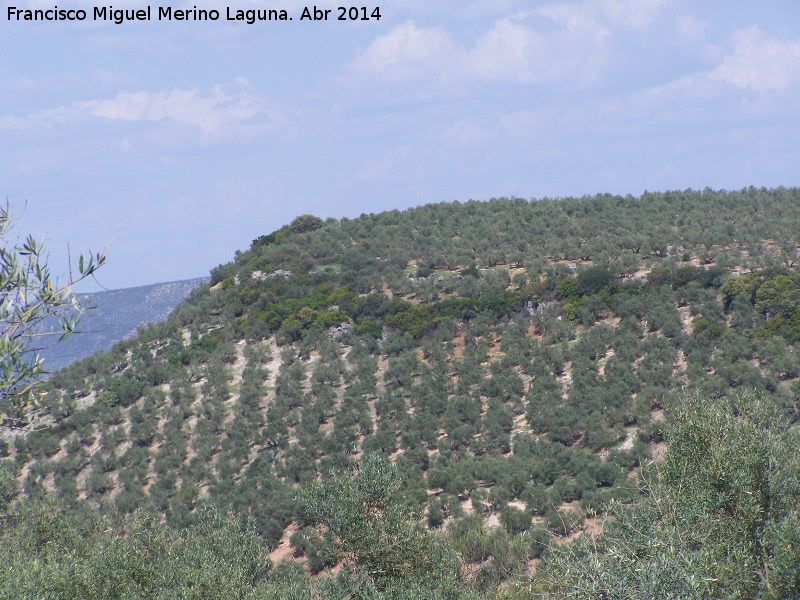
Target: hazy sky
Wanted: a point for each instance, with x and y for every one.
(184, 141)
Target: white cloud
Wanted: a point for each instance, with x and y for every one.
(512, 51)
(634, 14)
(215, 112)
(574, 51)
(723, 93)
(42, 120)
(226, 111)
(759, 63)
(572, 17)
(407, 52)
(756, 63)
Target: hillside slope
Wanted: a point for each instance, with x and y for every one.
(514, 359)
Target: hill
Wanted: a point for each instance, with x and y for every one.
(515, 360)
(116, 315)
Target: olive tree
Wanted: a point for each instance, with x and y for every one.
(36, 310)
(380, 541)
(48, 552)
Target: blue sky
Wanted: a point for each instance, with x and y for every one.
(184, 141)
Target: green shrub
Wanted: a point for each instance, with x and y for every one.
(718, 520)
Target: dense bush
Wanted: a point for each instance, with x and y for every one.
(48, 553)
(719, 519)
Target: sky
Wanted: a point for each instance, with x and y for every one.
(175, 143)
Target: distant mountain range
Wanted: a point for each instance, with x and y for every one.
(116, 315)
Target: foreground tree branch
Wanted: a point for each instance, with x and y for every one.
(36, 311)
